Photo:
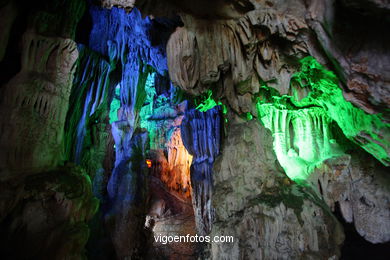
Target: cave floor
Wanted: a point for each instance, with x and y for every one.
(173, 215)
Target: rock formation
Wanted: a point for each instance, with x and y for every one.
(201, 133)
(270, 217)
(262, 120)
(44, 206)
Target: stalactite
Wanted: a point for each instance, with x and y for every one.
(127, 193)
(125, 37)
(89, 106)
(366, 130)
(49, 203)
(129, 44)
(201, 134)
(302, 138)
(301, 125)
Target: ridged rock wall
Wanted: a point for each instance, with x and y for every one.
(134, 48)
(161, 116)
(127, 194)
(269, 216)
(261, 48)
(276, 56)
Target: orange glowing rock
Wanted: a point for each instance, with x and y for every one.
(149, 163)
(179, 162)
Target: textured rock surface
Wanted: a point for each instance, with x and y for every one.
(127, 193)
(86, 125)
(47, 216)
(237, 57)
(39, 93)
(170, 215)
(201, 133)
(360, 187)
(268, 216)
(250, 57)
(255, 56)
(44, 207)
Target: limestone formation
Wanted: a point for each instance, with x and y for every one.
(268, 216)
(35, 103)
(48, 217)
(201, 133)
(359, 187)
(86, 125)
(265, 121)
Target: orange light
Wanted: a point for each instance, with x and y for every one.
(149, 163)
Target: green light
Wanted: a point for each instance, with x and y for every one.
(147, 110)
(249, 116)
(302, 138)
(301, 128)
(354, 122)
(208, 103)
(115, 105)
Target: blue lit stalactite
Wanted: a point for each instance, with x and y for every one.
(90, 99)
(201, 134)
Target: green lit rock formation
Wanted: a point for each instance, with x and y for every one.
(301, 126)
(267, 121)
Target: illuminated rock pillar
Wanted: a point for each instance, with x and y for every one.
(201, 133)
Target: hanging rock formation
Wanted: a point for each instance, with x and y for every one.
(359, 186)
(127, 194)
(87, 115)
(201, 133)
(260, 120)
(261, 57)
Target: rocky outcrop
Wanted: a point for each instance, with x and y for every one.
(162, 118)
(44, 207)
(359, 186)
(357, 53)
(46, 217)
(239, 57)
(268, 216)
(255, 57)
(35, 103)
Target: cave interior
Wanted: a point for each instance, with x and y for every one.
(126, 120)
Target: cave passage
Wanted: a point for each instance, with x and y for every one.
(264, 121)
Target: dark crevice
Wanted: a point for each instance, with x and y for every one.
(355, 247)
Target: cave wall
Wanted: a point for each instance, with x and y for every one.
(45, 205)
(273, 63)
(270, 216)
(268, 115)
